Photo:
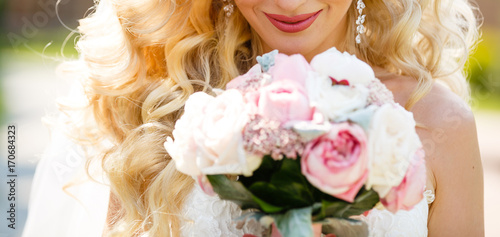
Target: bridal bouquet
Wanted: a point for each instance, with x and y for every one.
(301, 143)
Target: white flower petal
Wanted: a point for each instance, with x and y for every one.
(392, 143)
(343, 66)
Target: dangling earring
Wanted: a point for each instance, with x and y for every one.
(228, 8)
(360, 29)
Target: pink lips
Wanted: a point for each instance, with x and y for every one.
(292, 24)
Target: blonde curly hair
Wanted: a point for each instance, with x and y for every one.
(141, 59)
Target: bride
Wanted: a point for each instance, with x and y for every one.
(141, 59)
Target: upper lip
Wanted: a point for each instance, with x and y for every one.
(293, 19)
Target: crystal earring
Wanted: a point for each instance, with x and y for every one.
(228, 8)
(360, 29)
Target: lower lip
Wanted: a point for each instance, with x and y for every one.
(293, 27)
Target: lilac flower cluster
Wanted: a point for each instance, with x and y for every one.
(262, 136)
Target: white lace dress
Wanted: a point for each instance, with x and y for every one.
(411, 223)
(209, 216)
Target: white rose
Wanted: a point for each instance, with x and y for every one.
(219, 139)
(335, 101)
(343, 66)
(183, 149)
(392, 142)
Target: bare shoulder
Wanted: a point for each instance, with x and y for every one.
(449, 139)
(449, 135)
(448, 122)
(444, 110)
(440, 111)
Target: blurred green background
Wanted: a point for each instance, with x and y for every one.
(31, 29)
(484, 67)
(34, 40)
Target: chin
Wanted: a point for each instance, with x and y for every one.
(291, 47)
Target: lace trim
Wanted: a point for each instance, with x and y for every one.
(412, 223)
(205, 215)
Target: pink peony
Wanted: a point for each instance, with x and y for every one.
(294, 68)
(249, 80)
(336, 162)
(411, 190)
(283, 101)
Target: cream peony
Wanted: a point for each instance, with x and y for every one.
(183, 149)
(335, 101)
(208, 136)
(392, 143)
(343, 66)
(218, 137)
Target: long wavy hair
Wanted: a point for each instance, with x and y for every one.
(141, 59)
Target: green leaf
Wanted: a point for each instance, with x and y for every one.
(287, 187)
(316, 208)
(267, 167)
(295, 190)
(365, 200)
(332, 207)
(233, 191)
(295, 222)
(267, 207)
(289, 172)
(292, 165)
(289, 179)
(276, 196)
(345, 227)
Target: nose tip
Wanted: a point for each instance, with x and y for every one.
(289, 5)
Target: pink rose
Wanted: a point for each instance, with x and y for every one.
(283, 101)
(336, 162)
(411, 190)
(294, 67)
